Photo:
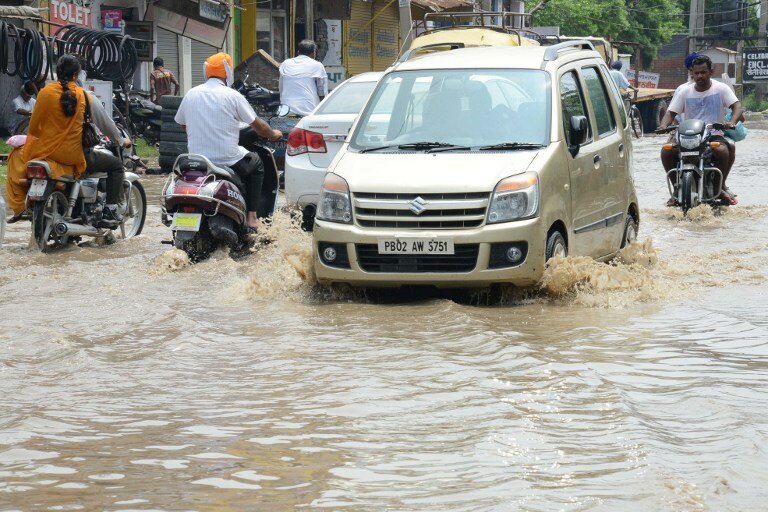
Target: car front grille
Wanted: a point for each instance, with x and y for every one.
(464, 259)
(432, 211)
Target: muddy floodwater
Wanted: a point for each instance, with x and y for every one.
(130, 380)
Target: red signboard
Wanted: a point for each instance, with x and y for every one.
(71, 12)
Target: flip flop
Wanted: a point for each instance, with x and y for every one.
(672, 202)
(728, 198)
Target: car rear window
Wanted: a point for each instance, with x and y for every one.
(349, 99)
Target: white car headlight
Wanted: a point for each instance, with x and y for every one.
(515, 198)
(687, 142)
(334, 204)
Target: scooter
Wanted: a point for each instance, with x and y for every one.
(203, 203)
(64, 209)
(695, 180)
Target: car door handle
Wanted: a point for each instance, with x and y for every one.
(597, 159)
(621, 148)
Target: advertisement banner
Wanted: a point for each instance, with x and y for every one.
(755, 67)
(71, 12)
(646, 80)
(336, 75)
(111, 20)
(328, 34)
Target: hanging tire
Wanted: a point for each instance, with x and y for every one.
(556, 246)
(171, 102)
(630, 231)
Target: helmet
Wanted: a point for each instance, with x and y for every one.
(220, 66)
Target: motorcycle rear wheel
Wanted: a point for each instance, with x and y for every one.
(199, 247)
(44, 217)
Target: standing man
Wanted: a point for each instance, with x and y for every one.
(211, 114)
(303, 80)
(160, 81)
(22, 107)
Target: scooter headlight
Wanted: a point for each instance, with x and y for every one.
(334, 204)
(690, 142)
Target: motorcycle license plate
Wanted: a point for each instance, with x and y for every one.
(689, 153)
(415, 245)
(186, 221)
(37, 189)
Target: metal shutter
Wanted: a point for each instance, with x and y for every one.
(357, 39)
(200, 52)
(386, 34)
(168, 49)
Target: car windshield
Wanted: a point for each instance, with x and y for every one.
(349, 99)
(467, 108)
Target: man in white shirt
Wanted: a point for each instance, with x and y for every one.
(706, 100)
(22, 106)
(303, 80)
(211, 114)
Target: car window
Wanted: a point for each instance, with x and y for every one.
(617, 96)
(598, 97)
(572, 100)
(468, 107)
(348, 99)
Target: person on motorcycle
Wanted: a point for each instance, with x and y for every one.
(210, 113)
(706, 100)
(303, 80)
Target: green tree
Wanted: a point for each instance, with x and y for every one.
(648, 22)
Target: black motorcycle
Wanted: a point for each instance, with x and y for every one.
(695, 180)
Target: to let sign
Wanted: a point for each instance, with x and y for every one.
(755, 64)
(71, 12)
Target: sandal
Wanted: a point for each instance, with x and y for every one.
(672, 202)
(728, 198)
(25, 215)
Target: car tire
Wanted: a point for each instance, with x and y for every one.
(655, 115)
(173, 137)
(556, 246)
(168, 147)
(630, 231)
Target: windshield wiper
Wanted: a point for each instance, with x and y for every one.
(511, 146)
(426, 145)
(366, 150)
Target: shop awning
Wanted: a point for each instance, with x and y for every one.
(442, 5)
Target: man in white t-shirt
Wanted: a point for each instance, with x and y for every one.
(706, 100)
(303, 80)
(22, 106)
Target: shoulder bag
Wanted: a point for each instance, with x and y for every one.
(90, 134)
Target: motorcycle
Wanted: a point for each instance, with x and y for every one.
(203, 203)
(65, 209)
(695, 180)
(144, 118)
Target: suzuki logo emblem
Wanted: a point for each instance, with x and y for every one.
(417, 206)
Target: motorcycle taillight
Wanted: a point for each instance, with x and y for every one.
(36, 172)
(186, 190)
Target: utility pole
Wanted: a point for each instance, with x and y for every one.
(695, 23)
(762, 40)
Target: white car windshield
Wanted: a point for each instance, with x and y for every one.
(472, 108)
(349, 99)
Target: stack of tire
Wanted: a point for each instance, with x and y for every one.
(173, 138)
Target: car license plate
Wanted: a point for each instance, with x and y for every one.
(415, 246)
(186, 221)
(37, 189)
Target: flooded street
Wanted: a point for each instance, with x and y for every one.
(131, 381)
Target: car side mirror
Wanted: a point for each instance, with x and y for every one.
(579, 132)
(283, 110)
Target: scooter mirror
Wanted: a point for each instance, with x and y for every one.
(283, 110)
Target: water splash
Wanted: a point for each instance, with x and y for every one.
(171, 261)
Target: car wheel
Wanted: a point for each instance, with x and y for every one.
(556, 246)
(630, 231)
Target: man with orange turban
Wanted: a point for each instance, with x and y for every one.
(211, 114)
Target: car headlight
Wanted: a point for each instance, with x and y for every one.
(515, 198)
(687, 142)
(334, 204)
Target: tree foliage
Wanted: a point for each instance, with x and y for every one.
(648, 22)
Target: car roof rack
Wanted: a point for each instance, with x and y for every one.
(553, 52)
(451, 46)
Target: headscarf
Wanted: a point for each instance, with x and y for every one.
(220, 66)
(690, 58)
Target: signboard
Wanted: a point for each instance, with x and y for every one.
(211, 32)
(103, 91)
(328, 34)
(71, 12)
(141, 30)
(336, 75)
(755, 65)
(111, 20)
(646, 80)
(213, 10)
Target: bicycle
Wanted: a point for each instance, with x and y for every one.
(633, 112)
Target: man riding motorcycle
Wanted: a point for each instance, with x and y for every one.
(210, 113)
(708, 101)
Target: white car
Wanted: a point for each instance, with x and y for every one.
(317, 138)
